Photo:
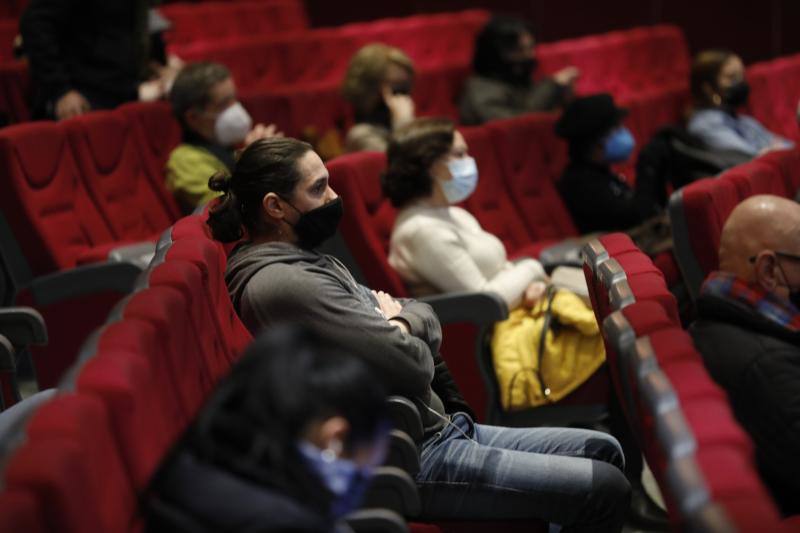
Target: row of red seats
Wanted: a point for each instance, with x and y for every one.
(774, 93)
(90, 452)
(702, 460)
(77, 189)
(314, 109)
(322, 55)
(699, 210)
(211, 23)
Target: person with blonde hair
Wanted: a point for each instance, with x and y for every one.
(378, 84)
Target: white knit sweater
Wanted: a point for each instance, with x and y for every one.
(444, 249)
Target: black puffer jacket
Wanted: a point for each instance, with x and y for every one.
(758, 363)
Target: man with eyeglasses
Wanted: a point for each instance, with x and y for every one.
(748, 330)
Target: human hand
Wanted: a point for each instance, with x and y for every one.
(152, 90)
(534, 293)
(401, 107)
(262, 132)
(71, 104)
(566, 77)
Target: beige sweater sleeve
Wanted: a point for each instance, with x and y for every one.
(439, 257)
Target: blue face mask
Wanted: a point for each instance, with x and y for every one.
(618, 145)
(345, 479)
(465, 178)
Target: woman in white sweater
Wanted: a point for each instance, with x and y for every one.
(437, 246)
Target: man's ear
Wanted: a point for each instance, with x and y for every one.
(333, 434)
(273, 206)
(766, 271)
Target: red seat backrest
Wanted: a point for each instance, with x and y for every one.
(191, 243)
(491, 203)
(707, 204)
(72, 461)
(132, 375)
(14, 91)
(45, 200)
(368, 217)
(157, 134)
(115, 174)
(531, 158)
(788, 164)
(21, 511)
(180, 347)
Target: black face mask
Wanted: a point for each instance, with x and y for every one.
(520, 72)
(736, 95)
(318, 225)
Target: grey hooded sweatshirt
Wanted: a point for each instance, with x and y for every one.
(277, 282)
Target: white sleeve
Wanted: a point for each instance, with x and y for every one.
(440, 258)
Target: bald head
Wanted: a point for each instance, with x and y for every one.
(759, 223)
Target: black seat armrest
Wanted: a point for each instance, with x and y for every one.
(405, 416)
(22, 326)
(479, 308)
(376, 521)
(403, 452)
(392, 488)
(80, 281)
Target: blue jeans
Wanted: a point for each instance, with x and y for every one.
(571, 477)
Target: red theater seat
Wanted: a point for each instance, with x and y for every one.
(531, 158)
(492, 202)
(46, 202)
(157, 134)
(116, 175)
(72, 463)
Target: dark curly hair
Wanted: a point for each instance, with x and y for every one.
(500, 35)
(412, 151)
(267, 165)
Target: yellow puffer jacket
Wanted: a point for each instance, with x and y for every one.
(573, 351)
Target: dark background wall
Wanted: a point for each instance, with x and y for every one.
(756, 29)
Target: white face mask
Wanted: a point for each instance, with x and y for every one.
(232, 125)
(465, 178)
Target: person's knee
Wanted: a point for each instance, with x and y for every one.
(603, 447)
(610, 488)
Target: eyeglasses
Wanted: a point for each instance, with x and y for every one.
(781, 254)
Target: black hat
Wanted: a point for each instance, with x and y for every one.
(589, 117)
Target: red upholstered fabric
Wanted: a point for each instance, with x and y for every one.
(157, 133)
(179, 345)
(773, 98)
(621, 63)
(45, 202)
(9, 29)
(203, 25)
(21, 511)
(732, 479)
(209, 257)
(14, 91)
(109, 496)
(189, 280)
(131, 377)
(368, 217)
(707, 204)
(531, 157)
(756, 177)
(491, 203)
(116, 176)
(788, 164)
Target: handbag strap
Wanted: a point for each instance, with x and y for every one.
(546, 325)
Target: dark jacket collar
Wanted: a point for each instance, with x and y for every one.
(220, 152)
(716, 308)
